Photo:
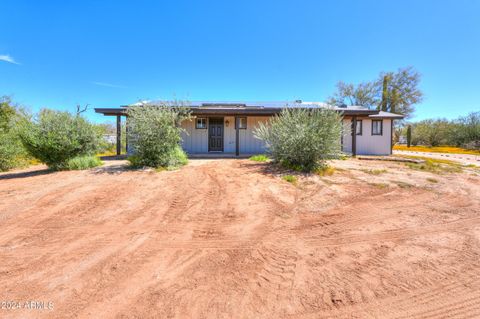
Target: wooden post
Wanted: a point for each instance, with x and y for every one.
(237, 136)
(126, 133)
(391, 136)
(354, 136)
(119, 134)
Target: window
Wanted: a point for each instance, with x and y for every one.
(242, 123)
(377, 127)
(201, 123)
(359, 127)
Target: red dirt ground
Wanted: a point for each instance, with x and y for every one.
(231, 239)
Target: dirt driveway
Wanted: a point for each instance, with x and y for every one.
(465, 159)
(231, 239)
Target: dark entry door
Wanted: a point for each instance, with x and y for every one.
(215, 134)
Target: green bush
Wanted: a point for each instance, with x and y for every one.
(154, 133)
(302, 139)
(56, 137)
(12, 152)
(83, 162)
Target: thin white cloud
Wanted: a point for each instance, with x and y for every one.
(7, 58)
(110, 85)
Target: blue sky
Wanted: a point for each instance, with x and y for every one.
(106, 53)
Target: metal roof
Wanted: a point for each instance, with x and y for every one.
(251, 108)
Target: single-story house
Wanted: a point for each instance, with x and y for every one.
(227, 127)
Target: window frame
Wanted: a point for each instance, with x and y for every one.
(361, 127)
(240, 121)
(381, 127)
(205, 123)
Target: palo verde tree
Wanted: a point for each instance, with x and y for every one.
(395, 92)
(302, 139)
(400, 91)
(363, 94)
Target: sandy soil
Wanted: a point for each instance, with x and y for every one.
(231, 239)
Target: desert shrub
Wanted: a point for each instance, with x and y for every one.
(83, 162)
(466, 131)
(12, 151)
(55, 137)
(431, 132)
(259, 158)
(155, 135)
(302, 139)
(135, 161)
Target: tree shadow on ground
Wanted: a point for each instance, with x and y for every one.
(113, 169)
(39, 172)
(113, 165)
(272, 169)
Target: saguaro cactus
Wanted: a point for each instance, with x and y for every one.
(409, 135)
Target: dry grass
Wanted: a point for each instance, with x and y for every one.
(107, 153)
(437, 149)
(374, 171)
(379, 185)
(403, 184)
(325, 171)
(435, 165)
(291, 179)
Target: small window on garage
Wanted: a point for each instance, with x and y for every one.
(201, 123)
(377, 127)
(242, 123)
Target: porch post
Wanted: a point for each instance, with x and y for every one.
(237, 137)
(126, 135)
(391, 136)
(119, 134)
(354, 136)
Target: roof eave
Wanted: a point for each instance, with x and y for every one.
(234, 112)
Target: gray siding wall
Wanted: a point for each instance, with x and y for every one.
(347, 135)
(195, 141)
(368, 144)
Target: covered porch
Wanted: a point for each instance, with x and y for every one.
(212, 132)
